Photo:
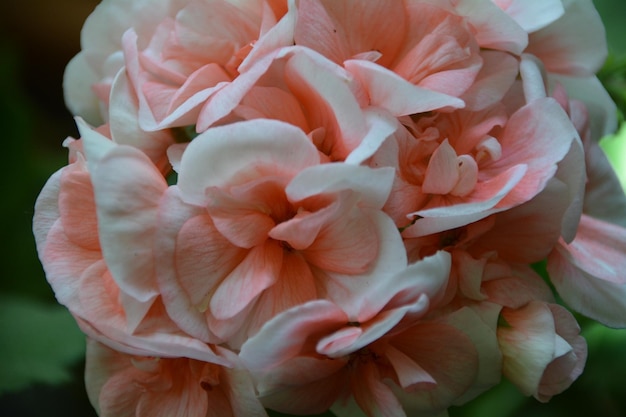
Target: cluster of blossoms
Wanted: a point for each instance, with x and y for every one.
(333, 204)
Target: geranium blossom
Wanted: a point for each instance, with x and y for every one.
(339, 205)
(275, 226)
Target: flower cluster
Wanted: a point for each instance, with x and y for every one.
(333, 204)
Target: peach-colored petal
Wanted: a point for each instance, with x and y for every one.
(432, 346)
(244, 223)
(348, 243)
(373, 395)
(542, 347)
(532, 15)
(496, 76)
(201, 251)
(495, 29)
(588, 272)
(258, 270)
(133, 224)
(125, 130)
(441, 174)
(527, 233)
(303, 385)
(222, 154)
(372, 186)
(286, 334)
(564, 48)
(393, 93)
(175, 268)
(552, 134)
(296, 285)
(333, 29)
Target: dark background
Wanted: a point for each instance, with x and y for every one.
(37, 39)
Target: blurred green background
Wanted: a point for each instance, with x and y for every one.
(41, 349)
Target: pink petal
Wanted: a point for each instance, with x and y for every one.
(64, 263)
(527, 233)
(127, 230)
(303, 385)
(334, 30)
(371, 186)
(527, 344)
(77, 207)
(564, 48)
(78, 78)
(173, 215)
(588, 273)
(495, 78)
(259, 270)
(442, 173)
(216, 157)
(446, 355)
(372, 394)
(285, 335)
(347, 243)
(495, 29)
(552, 132)
(389, 91)
(245, 224)
(125, 130)
(361, 302)
(203, 258)
(408, 371)
(295, 286)
(532, 15)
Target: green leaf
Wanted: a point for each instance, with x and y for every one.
(39, 343)
(615, 148)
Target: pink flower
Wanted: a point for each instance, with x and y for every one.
(382, 356)
(190, 58)
(543, 350)
(88, 76)
(123, 385)
(586, 269)
(293, 205)
(267, 227)
(457, 168)
(90, 266)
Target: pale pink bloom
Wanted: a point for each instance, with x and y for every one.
(457, 168)
(121, 385)
(542, 348)
(490, 257)
(329, 102)
(191, 57)
(587, 269)
(88, 76)
(97, 259)
(267, 227)
(382, 356)
(304, 89)
(429, 45)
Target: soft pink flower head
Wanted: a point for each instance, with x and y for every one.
(191, 57)
(383, 358)
(457, 168)
(97, 255)
(121, 385)
(267, 227)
